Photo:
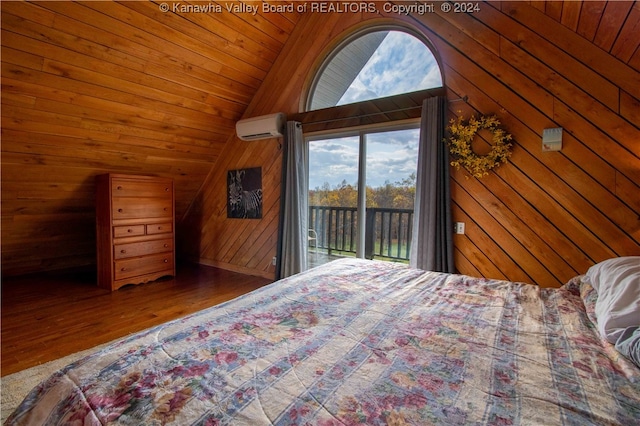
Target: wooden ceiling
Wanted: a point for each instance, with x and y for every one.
(151, 88)
(95, 87)
(152, 82)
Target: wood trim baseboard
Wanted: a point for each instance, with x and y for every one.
(233, 268)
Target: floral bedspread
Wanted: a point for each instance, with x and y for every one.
(358, 342)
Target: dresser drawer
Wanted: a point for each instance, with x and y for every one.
(135, 208)
(129, 268)
(128, 231)
(123, 251)
(130, 188)
(135, 229)
(159, 228)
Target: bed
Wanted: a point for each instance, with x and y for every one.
(361, 342)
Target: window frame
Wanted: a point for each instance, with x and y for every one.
(361, 132)
(350, 38)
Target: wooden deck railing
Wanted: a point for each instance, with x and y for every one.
(387, 231)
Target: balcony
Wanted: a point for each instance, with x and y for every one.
(333, 231)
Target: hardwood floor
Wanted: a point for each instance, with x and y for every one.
(45, 317)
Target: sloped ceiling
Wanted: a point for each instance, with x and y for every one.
(151, 88)
(130, 87)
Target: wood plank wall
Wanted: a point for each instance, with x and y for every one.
(95, 87)
(91, 87)
(544, 217)
(250, 245)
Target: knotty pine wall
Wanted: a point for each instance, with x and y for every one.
(544, 217)
(98, 86)
(92, 87)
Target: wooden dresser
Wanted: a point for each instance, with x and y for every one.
(135, 229)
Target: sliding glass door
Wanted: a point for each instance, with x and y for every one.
(333, 198)
(392, 160)
(361, 191)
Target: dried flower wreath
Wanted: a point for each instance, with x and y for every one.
(462, 135)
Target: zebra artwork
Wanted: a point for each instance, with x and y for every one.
(244, 193)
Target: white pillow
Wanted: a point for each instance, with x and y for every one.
(617, 282)
(629, 344)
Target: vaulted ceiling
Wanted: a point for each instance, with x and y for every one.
(95, 87)
(152, 88)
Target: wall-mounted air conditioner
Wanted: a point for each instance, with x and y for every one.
(263, 127)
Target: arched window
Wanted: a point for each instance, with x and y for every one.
(374, 64)
(362, 179)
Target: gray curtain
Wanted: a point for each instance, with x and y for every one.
(432, 242)
(292, 256)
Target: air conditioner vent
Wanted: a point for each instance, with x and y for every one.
(263, 127)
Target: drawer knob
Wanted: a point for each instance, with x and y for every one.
(123, 251)
(166, 261)
(129, 230)
(119, 210)
(166, 245)
(123, 269)
(165, 209)
(119, 188)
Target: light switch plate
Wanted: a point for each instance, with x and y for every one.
(552, 139)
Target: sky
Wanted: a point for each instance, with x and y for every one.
(391, 156)
(401, 64)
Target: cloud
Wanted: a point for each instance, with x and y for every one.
(401, 64)
(332, 161)
(391, 157)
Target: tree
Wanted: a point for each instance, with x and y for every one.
(398, 195)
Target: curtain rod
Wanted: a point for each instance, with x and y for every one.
(464, 99)
(362, 116)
